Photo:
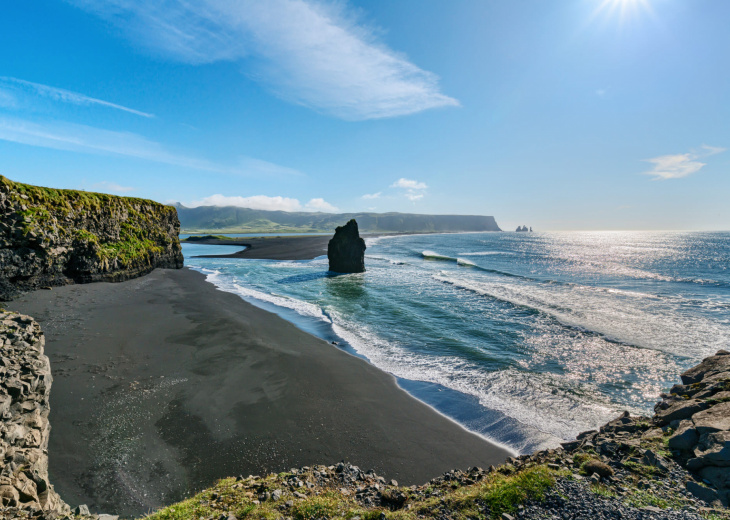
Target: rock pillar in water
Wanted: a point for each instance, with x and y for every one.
(346, 250)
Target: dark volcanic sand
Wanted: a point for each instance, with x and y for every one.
(274, 248)
(164, 384)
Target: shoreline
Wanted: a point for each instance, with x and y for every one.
(292, 247)
(183, 383)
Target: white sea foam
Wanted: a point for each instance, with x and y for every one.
(538, 401)
(661, 325)
(465, 262)
(303, 308)
(432, 255)
(487, 253)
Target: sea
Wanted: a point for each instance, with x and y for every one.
(524, 338)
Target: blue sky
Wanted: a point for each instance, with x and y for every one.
(569, 114)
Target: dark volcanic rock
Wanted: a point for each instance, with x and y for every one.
(54, 237)
(346, 250)
(25, 385)
(711, 366)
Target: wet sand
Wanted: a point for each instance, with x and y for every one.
(274, 248)
(164, 384)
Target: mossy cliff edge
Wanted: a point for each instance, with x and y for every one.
(55, 237)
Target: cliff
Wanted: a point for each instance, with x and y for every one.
(232, 219)
(54, 237)
(25, 386)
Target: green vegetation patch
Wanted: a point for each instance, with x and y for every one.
(119, 232)
(506, 493)
(489, 498)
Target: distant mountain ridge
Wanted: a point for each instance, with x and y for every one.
(233, 219)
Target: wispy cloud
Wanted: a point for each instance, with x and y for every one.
(680, 165)
(111, 187)
(65, 96)
(264, 202)
(414, 190)
(87, 139)
(370, 196)
(308, 52)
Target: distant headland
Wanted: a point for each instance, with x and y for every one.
(232, 219)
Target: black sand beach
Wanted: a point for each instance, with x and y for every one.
(164, 384)
(274, 248)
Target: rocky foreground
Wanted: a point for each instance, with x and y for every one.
(675, 465)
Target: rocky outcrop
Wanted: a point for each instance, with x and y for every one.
(698, 414)
(25, 385)
(55, 237)
(346, 250)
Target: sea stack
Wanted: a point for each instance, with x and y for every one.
(346, 250)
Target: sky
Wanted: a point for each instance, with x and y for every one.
(556, 114)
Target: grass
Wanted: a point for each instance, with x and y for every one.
(120, 232)
(603, 490)
(641, 469)
(489, 498)
(642, 498)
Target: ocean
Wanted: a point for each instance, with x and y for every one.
(524, 338)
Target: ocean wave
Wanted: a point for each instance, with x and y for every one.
(432, 255)
(660, 325)
(546, 403)
(466, 263)
(487, 253)
(301, 307)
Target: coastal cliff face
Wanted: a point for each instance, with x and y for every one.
(25, 386)
(54, 237)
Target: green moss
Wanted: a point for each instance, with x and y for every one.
(76, 216)
(505, 494)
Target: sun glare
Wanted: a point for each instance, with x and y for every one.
(624, 8)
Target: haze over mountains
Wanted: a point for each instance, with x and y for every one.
(233, 219)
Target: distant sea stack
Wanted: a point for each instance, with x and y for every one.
(55, 237)
(346, 250)
(523, 229)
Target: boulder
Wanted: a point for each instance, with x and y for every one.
(705, 494)
(710, 366)
(685, 438)
(678, 410)
(346, 250)
(714, 449)
(716, 418)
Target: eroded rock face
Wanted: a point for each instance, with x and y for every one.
(699, 413)
(54, 237)
(346, 250)
(25, 385)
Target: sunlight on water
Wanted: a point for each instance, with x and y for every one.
(543, 335)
